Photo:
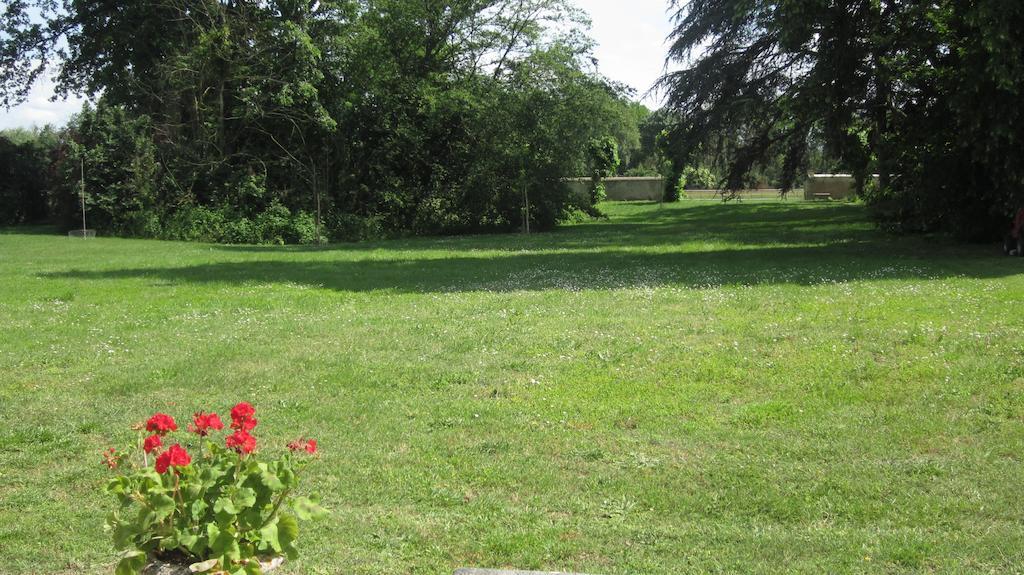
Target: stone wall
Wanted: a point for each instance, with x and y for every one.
(837, 186)
(621, 189)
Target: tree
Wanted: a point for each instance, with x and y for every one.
(120, 172)
(883, 84)
(604, 161)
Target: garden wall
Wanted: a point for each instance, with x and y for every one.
(837, 186)
(624, 188)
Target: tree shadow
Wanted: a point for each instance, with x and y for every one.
(586, 270)
(32, 230)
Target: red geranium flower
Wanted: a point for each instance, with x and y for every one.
(161, 424)
(241, 416)
(152, 443)
(303, 444)
(175, 456)
(241, 441)
(202, 423)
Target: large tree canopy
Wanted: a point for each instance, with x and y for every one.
(364, 116)
(925, 94)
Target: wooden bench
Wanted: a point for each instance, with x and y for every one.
(822, 196)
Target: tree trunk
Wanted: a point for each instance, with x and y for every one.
(883, 89)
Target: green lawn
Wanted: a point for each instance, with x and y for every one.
(700, 388)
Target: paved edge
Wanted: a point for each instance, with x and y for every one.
(472, 571)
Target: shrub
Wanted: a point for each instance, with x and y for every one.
(217, 508)
(241, 231)
(351, 227)
(274, 225)
(675, 187)
(697, 178)
(604, 160)
(195, 223)
(303, 229)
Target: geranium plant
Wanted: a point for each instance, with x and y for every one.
(208, 503)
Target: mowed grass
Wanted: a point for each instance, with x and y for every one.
(694, 388)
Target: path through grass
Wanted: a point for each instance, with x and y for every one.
(697, 388)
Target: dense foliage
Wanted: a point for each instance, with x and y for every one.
(25, 175)
(926, 95)
(270, 121)
(604, 161)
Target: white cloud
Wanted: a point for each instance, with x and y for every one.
(38, 110)
(631, 41)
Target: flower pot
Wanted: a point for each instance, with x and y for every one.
(157, 567)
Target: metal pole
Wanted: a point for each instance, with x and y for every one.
(82, 194)
(316, 193)
(526, 208)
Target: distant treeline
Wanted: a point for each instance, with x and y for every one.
(253, 121)
(256, 121)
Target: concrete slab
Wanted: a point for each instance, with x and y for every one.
(472, 571)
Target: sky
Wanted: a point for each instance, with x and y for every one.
(631, 48)
(631, 45)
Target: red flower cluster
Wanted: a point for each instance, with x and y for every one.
(242, 422)
(241, 416)
(161, 424)
(303, 444)
(241, 441)
(175, 456)
(202, 423)
(152, 443)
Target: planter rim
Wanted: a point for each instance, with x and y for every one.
(157, 567)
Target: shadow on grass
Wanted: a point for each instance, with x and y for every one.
(685, 246)
(32, 230)
(610, 269)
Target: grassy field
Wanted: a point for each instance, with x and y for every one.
(699, 388)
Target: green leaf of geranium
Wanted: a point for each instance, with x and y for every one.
(251, 518)
(118, 485)
(268, 535)
(191, 490)
(306, 509)
(224, 504)
(244, 497)
(145, 519)
(162, 504)
(287, 533)
(198, 508)
(131, 564)
(203, 566)
(222, 543)
(288, 477)
(271, 480)
(168, 542)
(122, 532)
(187, 539)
